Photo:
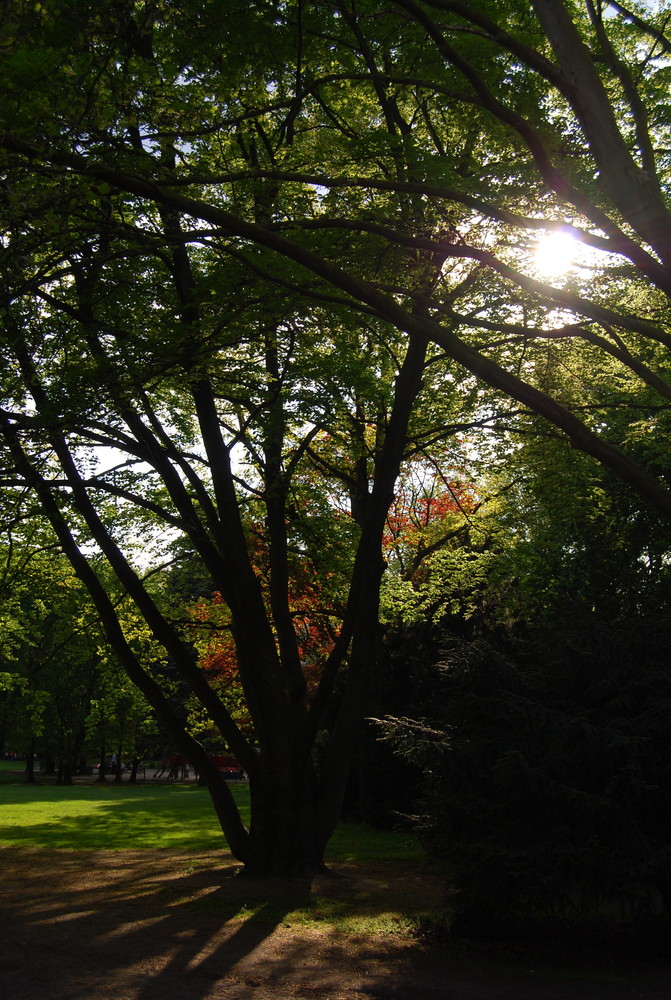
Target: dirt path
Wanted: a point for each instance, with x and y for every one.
(142, 925)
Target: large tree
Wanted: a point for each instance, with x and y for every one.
(236, 234)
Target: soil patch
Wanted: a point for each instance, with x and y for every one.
(153, 925)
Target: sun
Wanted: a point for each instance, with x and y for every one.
(555, 254)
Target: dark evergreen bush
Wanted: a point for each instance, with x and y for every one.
(547, 771)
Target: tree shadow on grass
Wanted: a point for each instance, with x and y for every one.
(136, 924)
(160, 925)
(157, 925)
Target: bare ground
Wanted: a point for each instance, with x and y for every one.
(152, 925)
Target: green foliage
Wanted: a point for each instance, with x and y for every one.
(453, 583)
(546, 773)
(64, 684)
(540, 723)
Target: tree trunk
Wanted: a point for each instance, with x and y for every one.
(102, 766)
(284, 836)
(30, 764)
(65, 769)
(118, 770)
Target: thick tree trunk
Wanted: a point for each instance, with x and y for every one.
(284, 837)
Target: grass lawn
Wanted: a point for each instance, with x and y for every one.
(180, 820)
(175, 817)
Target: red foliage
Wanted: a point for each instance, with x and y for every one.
(410, 515)
(214, 639)
(314, 639)
(417, 511)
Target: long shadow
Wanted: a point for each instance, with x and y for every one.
(151, 925)
(134, 925)
(139, 926)
(208, 956)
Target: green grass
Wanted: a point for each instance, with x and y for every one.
(109, 816)
(180, 819)
(173, 817)
(11, 768)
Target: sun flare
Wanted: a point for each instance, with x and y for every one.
(555, 254)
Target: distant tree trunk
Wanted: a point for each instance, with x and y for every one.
(77, 747)
(30, 764)
(65, 769)
(118, 770)
(102, 767)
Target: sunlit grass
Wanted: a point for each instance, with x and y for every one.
(376, 895)
(98, 816)
(172, 817)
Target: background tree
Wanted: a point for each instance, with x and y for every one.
(540, 731)
(53, 655)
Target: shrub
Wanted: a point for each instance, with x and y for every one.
(546, 772)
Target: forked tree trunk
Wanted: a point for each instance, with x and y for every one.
(283, 837)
